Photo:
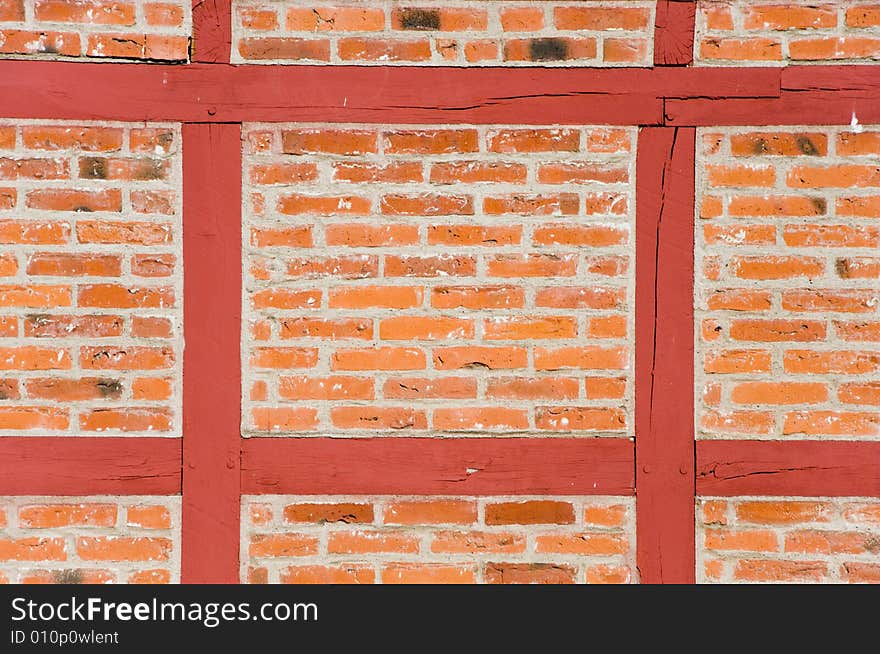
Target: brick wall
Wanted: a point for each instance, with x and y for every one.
(438, 291)
(778, 32)
(556, 540)
(788, 540)
(588, 33)
(787, 292)
(91, 288)
(95, 29)
(89, 540)
(406, 280)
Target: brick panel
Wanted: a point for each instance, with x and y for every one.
(422, 280)
(95, 29)
(89, 540)
(91, 288)
(774, 32)
(788, 540)
(787, 290)
(557, 540)
(461, 33)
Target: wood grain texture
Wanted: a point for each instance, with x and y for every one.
(808, 95)
(674, 32)
(34, 465)
(664, 355)
(212, 31)
(425, 466)
(780, 468)
(211, 362)
(224, 93)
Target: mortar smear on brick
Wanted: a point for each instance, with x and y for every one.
(421, 539)
(788, 540)
(787, 293)
(95, 30)
(463, 280)
(783, 32)
(456, 33)
(91, 278)
(90, 540)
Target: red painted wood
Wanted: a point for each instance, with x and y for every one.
(674, 33)
(808, 468)
(808, 108)
(36, 465)
(821, 95)
(212, 31)
(223, 93)
(461, 466)
(664, 355)
(211, 360)
(842, 79)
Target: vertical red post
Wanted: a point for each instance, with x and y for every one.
(674, 32)
(211, 361)
(212, 31)
(665, 355)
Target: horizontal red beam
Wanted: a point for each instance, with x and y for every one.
(73, 465)
(463, 466)
(226, 93)
(776, 468)
(820, 95)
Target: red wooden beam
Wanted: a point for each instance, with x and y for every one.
(211, 360)
(674, 33)
(807, 468)
(72, 465)
(224, 93)
(793, 108)
(821, 95)
(461, 466)
(212, 31)
(664, 355)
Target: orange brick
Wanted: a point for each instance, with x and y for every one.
(471, 542)
(408, 573)
(67, 515)
(529, 512)
(313, 574)
(529, 573)
(101, 548)
(148, 517)
(437, 512)
(346, 513)
(366, 542)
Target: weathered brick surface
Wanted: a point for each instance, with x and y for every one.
(95, 29)
(309, 540)
(780, 32)
(461, 33)
(788, 540)
(425, 280)
(787, 292)
(91, 288)
(89, 540)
